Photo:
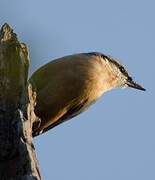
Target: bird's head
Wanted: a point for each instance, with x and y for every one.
(119, 74)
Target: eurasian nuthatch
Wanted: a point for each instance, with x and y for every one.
(68, 86)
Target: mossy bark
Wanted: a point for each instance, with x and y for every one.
(17, 154)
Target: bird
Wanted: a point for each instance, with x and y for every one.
(68, 86)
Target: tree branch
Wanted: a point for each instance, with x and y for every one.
(17, 155)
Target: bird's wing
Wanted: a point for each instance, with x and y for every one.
(72, 112)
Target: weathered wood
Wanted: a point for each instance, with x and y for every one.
(17, 155)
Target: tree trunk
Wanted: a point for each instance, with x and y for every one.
(17, 154)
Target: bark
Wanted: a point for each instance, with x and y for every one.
(17, 154)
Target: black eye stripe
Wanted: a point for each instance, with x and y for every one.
(129, 78)
(112, 60)
(121, 68)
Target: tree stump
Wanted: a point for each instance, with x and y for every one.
(17, 154)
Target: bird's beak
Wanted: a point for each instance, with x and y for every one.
(133, 84)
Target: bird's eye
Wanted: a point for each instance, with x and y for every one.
(122, 69)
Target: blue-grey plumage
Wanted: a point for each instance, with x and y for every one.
(70, 85)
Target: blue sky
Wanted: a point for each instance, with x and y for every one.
(115, 138)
